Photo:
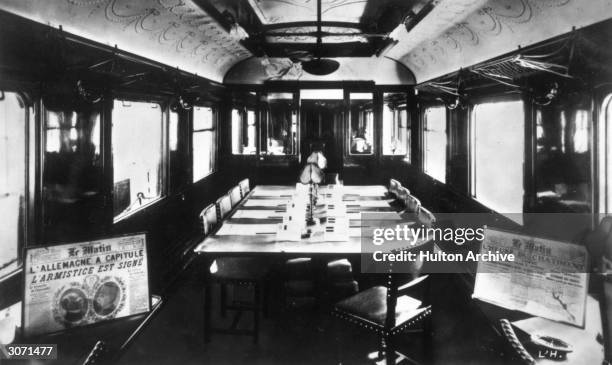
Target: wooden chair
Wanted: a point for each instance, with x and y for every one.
(425, 217)
(332, 178)
(235, 195)
(245, 187)
(402, 194)
(235, 271)
(224, 207)
(394, 186)
(386, 310)
(208, 219)
(412, 204)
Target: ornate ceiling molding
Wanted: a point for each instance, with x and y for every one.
(462, 35)
(287, 11)
(174, 32)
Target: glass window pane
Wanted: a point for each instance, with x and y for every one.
(202, 118)
(204, 146)
(73, 199)
(605, 161)
(173, 131)
(434, 139)
(137, 155)
(322, 94)
(280, 133)
(563, 157)
(203, 154)
(243, 133)
(396, 129)
(498, 137)
(361, 119)
(12, 179)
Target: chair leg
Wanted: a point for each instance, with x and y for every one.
(338, 339)
(256, 309)
(223, 300)
(207, 312)
(265, 305)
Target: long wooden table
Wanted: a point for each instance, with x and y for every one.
(250, 230)
(257, 235)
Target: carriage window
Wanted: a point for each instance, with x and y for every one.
(605, 159)
(72, 196)
(497, 155)
(434, 140)
(280, 132)
(173, 134)
(12, 179)
(361, 119)
(137, 155)
(204, 142)
(563, 157)
(396, 128)
(243, 132)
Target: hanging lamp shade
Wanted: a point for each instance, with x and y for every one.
(320, 66)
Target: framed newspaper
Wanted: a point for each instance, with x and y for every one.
(78, 284)
(548, 278)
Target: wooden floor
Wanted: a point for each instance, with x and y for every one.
(304, 335)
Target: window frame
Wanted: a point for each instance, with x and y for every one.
(165, 153)
(263, 113)
(214, 130)
(423, 139)
(243, 112)
(407, 156)
(528, 123)
(32, 160)
(602, 150)
(373, 112)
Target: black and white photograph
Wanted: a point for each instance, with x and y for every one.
(275, 182)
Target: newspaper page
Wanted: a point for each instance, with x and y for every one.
(83, 283)
(547, 279)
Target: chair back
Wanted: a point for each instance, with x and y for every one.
(394, 186)
(235, 195)
(402, 194)
(425, 217)
(412, 204)
(332, 178)
(224, 206)
(208, 219)
(245, 187)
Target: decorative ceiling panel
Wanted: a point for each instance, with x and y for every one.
(383, 71)
(461, 33)
(174, 32)
(287, 11)
(301, 35)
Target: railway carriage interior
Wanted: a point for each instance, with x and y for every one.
(208, 126)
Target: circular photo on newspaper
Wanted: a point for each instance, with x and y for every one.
(109, 297)
(72, 305)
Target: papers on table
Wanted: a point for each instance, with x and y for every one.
(367, 203)
(547, 279)
(267, 202)
(364, 190)
(236, 229)
(256, 214)
(276, 190)
(374, 216)
(337, 219)
(586, 348)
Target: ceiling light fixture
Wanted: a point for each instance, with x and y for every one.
(320, 66)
